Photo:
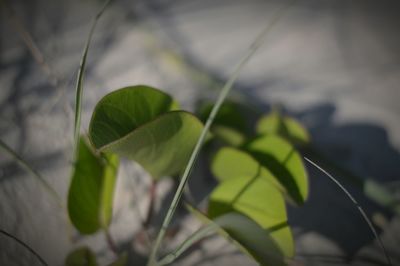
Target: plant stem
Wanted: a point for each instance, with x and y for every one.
(199, 235)
(110, 241)
(221, 98)
(150, 211)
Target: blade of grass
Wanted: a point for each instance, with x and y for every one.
(33, 172)
(221, 98)
(373, 190)
(42, 261)
(79, 87)
(360, 209)
(188, 242)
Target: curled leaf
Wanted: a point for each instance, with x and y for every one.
(138, 123)
(91, 192)
(248, 236)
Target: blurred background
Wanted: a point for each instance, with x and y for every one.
(333, 65)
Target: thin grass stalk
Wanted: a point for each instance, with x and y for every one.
(79, 82)
(360, 209)
(188, 242)
(380, 194)
(22, 243)
(34, 173)
(221, 98)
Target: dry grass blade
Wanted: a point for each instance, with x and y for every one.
(32, 171)
(42, 261)
(360, 209)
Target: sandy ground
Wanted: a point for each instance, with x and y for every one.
(334, 65)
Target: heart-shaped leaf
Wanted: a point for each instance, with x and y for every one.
(137, 122)
(257, 198)
(284, 162)
(82, 256)
(122, 111)
(91, 192)
(248, 237)
(287, 127)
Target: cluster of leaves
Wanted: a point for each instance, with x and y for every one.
(256, 173)
(140, 123)
(145, 125)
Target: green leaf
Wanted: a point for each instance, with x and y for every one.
(228, 135)
(258, 199)
(256, 240)
(137, 123)
(247, 236)
(91, 191)
(287, 127)
(81, 257)
(230, 163)
(122, 111)
(253, 196)
(284, 162)
(229, 124)
(162, 146)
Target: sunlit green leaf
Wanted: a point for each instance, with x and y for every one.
(285, 126)
(91, 191)
(249, 237)
(137, 122)
(253, 196)
(230, 163)
(284, 162)
(81, 257)
(257, 198)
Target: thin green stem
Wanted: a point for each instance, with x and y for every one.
(79, 82)
(110, 241)
(152, 195)
(221, 98)
(33, 172)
